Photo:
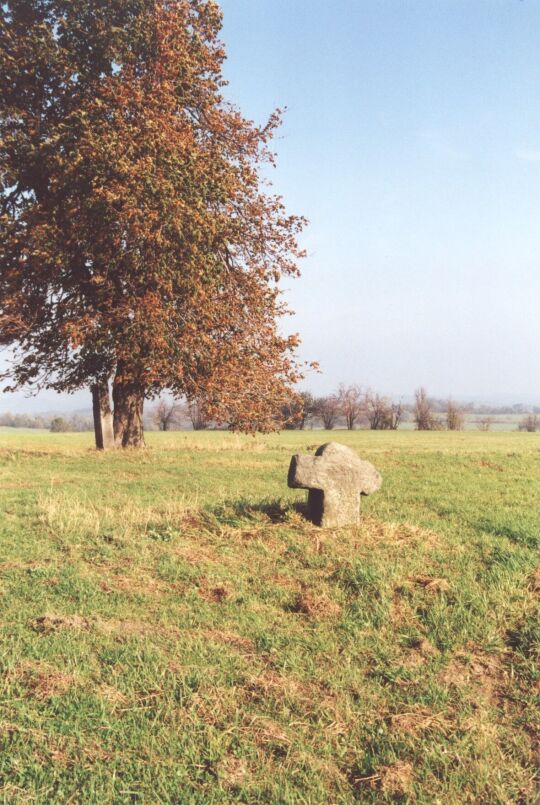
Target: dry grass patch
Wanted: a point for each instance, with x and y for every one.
(397, 539)
(429, 583)
(396, 780)
(111, 694)
(132, 627)
(215, 706)
(232, 771)
(419, 719)
(265, 732)
(66, 514)
(401, 612)
(196, 553)
(398, 534)
(242, 644)
(41, 680)
(136, 585)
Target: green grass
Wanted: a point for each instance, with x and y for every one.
(172, 630)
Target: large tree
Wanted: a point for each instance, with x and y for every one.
(137, 241)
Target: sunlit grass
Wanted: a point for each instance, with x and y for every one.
(173, 630)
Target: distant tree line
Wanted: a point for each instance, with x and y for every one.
(353, 406)
(350, 406)
(56, 424)
(9, 420)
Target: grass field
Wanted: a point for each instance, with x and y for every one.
(172, 630)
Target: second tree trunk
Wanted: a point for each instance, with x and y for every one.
(128, 399)
(103, 420)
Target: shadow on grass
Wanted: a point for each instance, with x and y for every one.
(515, 534)
(277, 511)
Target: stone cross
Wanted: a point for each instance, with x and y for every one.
(336, 478)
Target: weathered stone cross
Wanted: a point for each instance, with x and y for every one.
(336, 478)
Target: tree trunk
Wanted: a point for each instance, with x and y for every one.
(128, 399)
(103, 421)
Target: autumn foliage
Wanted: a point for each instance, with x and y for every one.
(137, 243)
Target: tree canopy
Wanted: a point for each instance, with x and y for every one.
(138, 242)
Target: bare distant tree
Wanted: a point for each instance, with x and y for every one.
(166, 414)
(81, 424)
(381, 413)
(530, 423)
(376, 410)
(197, 415)
(455, 418)
(327, 408)
(422, 413)
(485, 423)
(351, 404)
(395, 415)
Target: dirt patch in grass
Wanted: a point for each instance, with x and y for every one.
(47, 624)
(534, 583)
(316, 607)
(394, 781)
(278, 686)
(419, 652)
(53, 623)
(313, 700)
(484, 672)
(214, 594)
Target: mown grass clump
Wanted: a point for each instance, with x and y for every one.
(173, 630)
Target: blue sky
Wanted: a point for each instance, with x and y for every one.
(412, 144)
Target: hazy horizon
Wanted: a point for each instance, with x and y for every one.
(49, 403)
(412, 143)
